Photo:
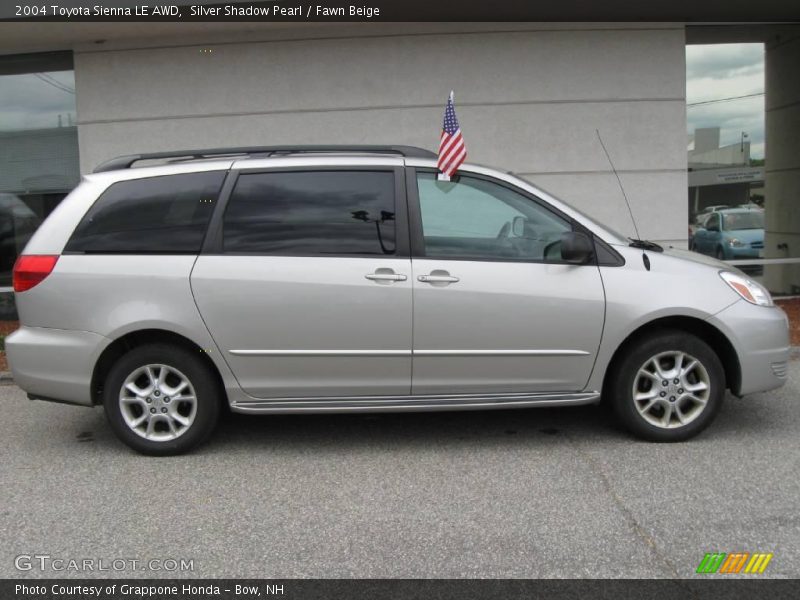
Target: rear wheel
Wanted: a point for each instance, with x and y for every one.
(668, 387)
(161, 399)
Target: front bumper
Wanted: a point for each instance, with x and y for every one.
(734, 253)
(760, 336)
(55, 364)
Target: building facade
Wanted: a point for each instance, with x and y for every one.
(721, 175)
(530, 97)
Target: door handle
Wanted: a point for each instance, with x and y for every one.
(438, 276)
(384, 275)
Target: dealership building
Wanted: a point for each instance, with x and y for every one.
(530, 98)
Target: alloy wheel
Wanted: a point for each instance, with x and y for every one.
(671, 389)
(158, 402)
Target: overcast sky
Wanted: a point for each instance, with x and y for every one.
(34, 102)
(722, 71)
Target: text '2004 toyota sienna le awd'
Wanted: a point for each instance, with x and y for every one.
(331, 279)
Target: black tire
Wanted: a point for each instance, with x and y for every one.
(720, 254)
(620, 387)
(207, 396)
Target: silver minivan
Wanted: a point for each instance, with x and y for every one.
(343, 279)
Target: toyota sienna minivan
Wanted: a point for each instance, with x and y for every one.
(351, 279)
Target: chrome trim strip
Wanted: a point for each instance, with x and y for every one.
(408, 352)
(414, 403)
(320, 352)
(499, 353)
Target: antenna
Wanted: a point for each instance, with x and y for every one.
(619, 181)
(638, 242)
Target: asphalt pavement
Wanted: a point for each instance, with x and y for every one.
(519, 493)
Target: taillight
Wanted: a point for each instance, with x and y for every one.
(31, 270)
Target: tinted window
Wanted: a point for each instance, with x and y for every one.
(312, 212)
(154, 215)
(480, 219)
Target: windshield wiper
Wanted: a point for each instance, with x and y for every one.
(645, 245)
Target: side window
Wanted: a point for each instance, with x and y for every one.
(153, 215)
(475, 218)
(713, 221)
(311, 213)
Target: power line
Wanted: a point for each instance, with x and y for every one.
(725, 99)
(55, 83)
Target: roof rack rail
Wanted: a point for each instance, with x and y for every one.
(126, 162)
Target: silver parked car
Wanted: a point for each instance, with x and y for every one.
(332, 279)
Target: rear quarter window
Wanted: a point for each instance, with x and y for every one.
(153, 215)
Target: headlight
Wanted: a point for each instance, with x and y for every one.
(734, 243)
(747, 288)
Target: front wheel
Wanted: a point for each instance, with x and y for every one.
(161, 399)
(669, 387)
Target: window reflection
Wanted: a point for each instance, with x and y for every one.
(312, 212)
(38, 146)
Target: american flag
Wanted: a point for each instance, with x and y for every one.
(452, 151)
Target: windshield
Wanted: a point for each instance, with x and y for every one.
(744, 220)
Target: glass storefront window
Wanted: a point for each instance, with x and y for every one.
(38, 148)
(742, 190)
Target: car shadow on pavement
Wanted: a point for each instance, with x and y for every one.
(413, 429)
(535, 426)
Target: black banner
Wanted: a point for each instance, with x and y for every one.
(278, 11)
(733, 588)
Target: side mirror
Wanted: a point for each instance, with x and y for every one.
(576, 247)
(518, 226)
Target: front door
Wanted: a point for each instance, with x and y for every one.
(496, 310)
(707, 239)
(309, 293)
